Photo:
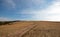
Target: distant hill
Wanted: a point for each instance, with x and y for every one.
(7, 22)
(10, 22)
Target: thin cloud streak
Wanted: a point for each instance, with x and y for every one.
(10, 3)
(5, 19)
(38, 2)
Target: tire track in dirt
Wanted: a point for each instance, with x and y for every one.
(42, 32)
(23, 31)
(27, 29)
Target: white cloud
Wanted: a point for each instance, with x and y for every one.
(54, 8)
(38, 2)
(26, 11)
(10, 3)
(53, 12)
(4, 19)
(53, 18)
(57, 0)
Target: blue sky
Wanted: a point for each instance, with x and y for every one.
(30, 10)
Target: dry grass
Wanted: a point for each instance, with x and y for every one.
(43, 29)
(6, 30)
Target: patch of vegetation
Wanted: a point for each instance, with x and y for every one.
(6, 22)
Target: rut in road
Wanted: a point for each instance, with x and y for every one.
(27, 30)
(37, 32)
(23, 31)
